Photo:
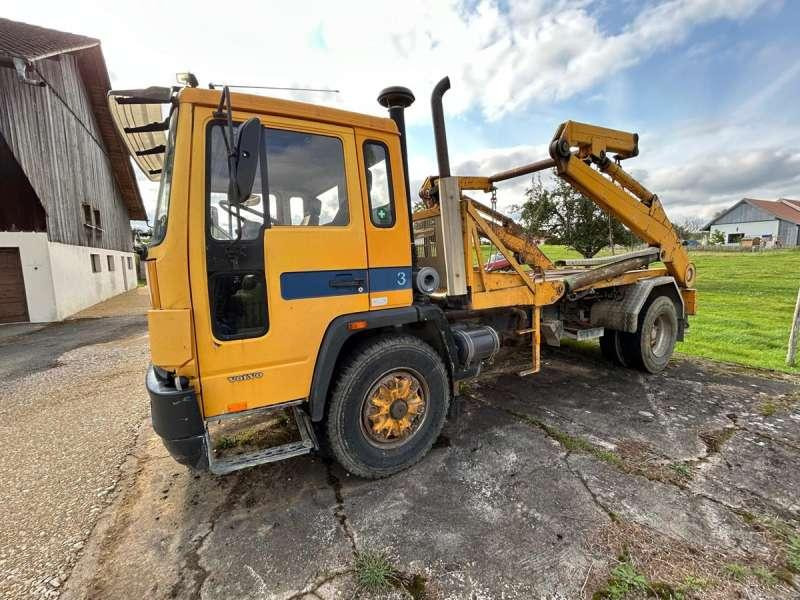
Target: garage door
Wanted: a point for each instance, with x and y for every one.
(13, 306)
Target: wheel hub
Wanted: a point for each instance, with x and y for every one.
(394, 409)
(660, 336)
(399, 409)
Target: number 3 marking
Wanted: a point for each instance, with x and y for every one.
(401, 278)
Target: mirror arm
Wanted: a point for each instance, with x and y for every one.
(224, 110)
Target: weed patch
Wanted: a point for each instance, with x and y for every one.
(571, 443)
(715, 439)
(767, 409)
(673, 569)
(624, 580)
(373, 572)
(793, 553)
(682, 470)
(765, 576)
(736, 571)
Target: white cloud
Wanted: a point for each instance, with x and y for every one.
(691, 176)
(500, 61)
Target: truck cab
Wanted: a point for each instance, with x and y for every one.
(243, 295)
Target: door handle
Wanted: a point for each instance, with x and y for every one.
(347, 283)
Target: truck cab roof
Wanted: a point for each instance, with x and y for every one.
(253, 103)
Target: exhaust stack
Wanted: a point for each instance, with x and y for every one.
(439, 132)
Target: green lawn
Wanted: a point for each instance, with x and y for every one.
(745, 303)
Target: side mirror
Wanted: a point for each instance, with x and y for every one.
(248, 147)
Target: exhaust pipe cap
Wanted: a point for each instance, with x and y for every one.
(396, 96)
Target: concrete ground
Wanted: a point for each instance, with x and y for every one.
(582, 480)
(71, 406)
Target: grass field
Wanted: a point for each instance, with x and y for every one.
(745, 303)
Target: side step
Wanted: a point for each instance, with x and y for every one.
(304, 442)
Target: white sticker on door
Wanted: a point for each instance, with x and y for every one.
(380, 301)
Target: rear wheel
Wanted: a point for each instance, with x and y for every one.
(651, 347)
(388, 406)
(611, 347)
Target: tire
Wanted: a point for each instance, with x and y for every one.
(651, 347)
(611, 347)
(373, 444)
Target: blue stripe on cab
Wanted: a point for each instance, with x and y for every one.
(383, 279)
(318, 284)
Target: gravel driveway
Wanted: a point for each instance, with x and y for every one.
(72, 402)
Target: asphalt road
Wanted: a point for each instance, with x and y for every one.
(535, 492)
(72, 402)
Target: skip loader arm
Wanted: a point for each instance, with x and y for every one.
(576, 146)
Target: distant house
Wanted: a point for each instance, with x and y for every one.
(67, 189)
(772, 221)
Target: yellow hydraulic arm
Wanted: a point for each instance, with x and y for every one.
(577, 145)
(574, 149)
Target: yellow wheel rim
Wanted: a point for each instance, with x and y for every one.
(394, 408)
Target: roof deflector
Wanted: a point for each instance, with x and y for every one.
(141, 123)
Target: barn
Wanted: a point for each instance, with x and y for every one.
(67, 188)
(772, 221)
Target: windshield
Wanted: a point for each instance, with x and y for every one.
(162, 203)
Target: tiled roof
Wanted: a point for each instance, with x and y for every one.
(791, 202)
(781, 209)
(20, 40)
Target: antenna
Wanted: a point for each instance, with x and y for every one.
(212, 86)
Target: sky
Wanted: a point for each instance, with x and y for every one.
(711, 86)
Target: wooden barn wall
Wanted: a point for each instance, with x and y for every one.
(788, 233)
(744, 213)
(65, 165)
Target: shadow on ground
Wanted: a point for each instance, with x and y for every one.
(546, 487)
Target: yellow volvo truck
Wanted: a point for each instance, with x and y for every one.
(291, 284)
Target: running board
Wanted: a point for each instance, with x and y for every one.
(306, 443)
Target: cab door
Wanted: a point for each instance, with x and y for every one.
(270, 275)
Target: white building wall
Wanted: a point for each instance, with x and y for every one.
(75, 285)
(58, 277)
(34, 254)
(749, 229)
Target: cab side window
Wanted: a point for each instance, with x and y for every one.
(379, 184)
(307, 184)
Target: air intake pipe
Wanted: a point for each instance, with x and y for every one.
(397, 99)
(439, 132)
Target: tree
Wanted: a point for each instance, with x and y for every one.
(717, 237)
(688, 228)
(565, 216)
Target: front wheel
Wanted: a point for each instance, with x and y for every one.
(388, 406)
(651, 347)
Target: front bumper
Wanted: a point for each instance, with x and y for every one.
(177, 420)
